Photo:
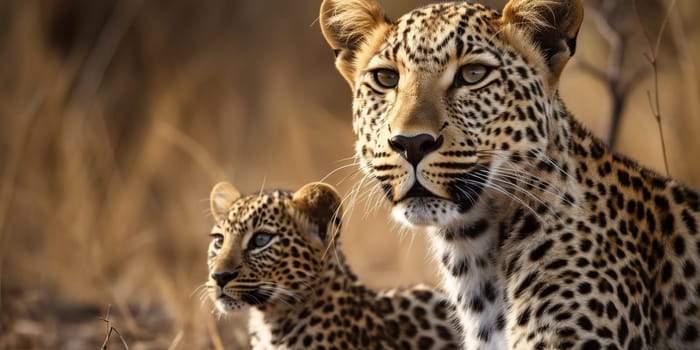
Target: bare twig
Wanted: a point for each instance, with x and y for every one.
(652, 57)
(111, 329)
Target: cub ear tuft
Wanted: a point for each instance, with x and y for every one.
(320, 203)
(552, 24)
(221, 199)
(346, 24)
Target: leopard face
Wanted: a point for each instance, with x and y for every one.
(266, 249)
(449, 99)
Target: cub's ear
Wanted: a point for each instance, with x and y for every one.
(320, 203)
(346, 25)
(221, 199)
(552, 24)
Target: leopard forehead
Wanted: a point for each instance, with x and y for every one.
(266, 209)
(434, 36)
(431, 36)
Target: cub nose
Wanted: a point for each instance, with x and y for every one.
(414, 148)
(223, 277)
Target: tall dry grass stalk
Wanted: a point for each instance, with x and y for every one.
(118, 117)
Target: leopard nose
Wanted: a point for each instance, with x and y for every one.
(223, 277)
(415, 148)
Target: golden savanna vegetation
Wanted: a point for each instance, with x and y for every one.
(118, 116)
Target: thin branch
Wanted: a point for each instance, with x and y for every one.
(652, 57)
(111, 329)
(662, 27)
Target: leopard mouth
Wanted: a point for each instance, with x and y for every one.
(463, 191)
(250, 298)
(422, 208)
(225, 303)
(418, 191)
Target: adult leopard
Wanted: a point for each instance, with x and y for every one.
(546, 238)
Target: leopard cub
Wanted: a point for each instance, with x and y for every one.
(277, 252)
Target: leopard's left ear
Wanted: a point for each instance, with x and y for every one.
(347, 25)
(221, 199)
(320, 203)
(552, 24)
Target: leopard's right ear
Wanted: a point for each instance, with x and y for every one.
(221, 199)
(320, 204)
(551, 24)
(347, 25)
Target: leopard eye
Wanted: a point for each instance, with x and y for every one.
(218, 239)
(259, 240)
(470, 74)
(386, 78)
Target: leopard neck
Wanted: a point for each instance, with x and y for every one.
(472, 259)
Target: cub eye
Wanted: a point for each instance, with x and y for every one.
(218, 239)
(259, 240)
(386, 78)
(471, 74)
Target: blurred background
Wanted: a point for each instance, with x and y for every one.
(118, 116)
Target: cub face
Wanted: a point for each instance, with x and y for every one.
(451, 100)
(267, 249)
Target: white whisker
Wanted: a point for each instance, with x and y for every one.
(342, 167)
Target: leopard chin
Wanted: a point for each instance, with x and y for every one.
(421, 207)
(426, 212)
(225, 304)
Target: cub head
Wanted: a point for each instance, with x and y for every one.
(269, 248)
(452, 100)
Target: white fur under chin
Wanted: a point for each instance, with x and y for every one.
(427, 212)
(261, 335)
(227, 305)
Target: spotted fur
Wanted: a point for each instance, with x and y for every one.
(546, 239)
(269, 252)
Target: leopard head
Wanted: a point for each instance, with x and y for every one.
(268, 249)
(451, 100)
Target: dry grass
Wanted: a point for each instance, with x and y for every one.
(118, 117)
